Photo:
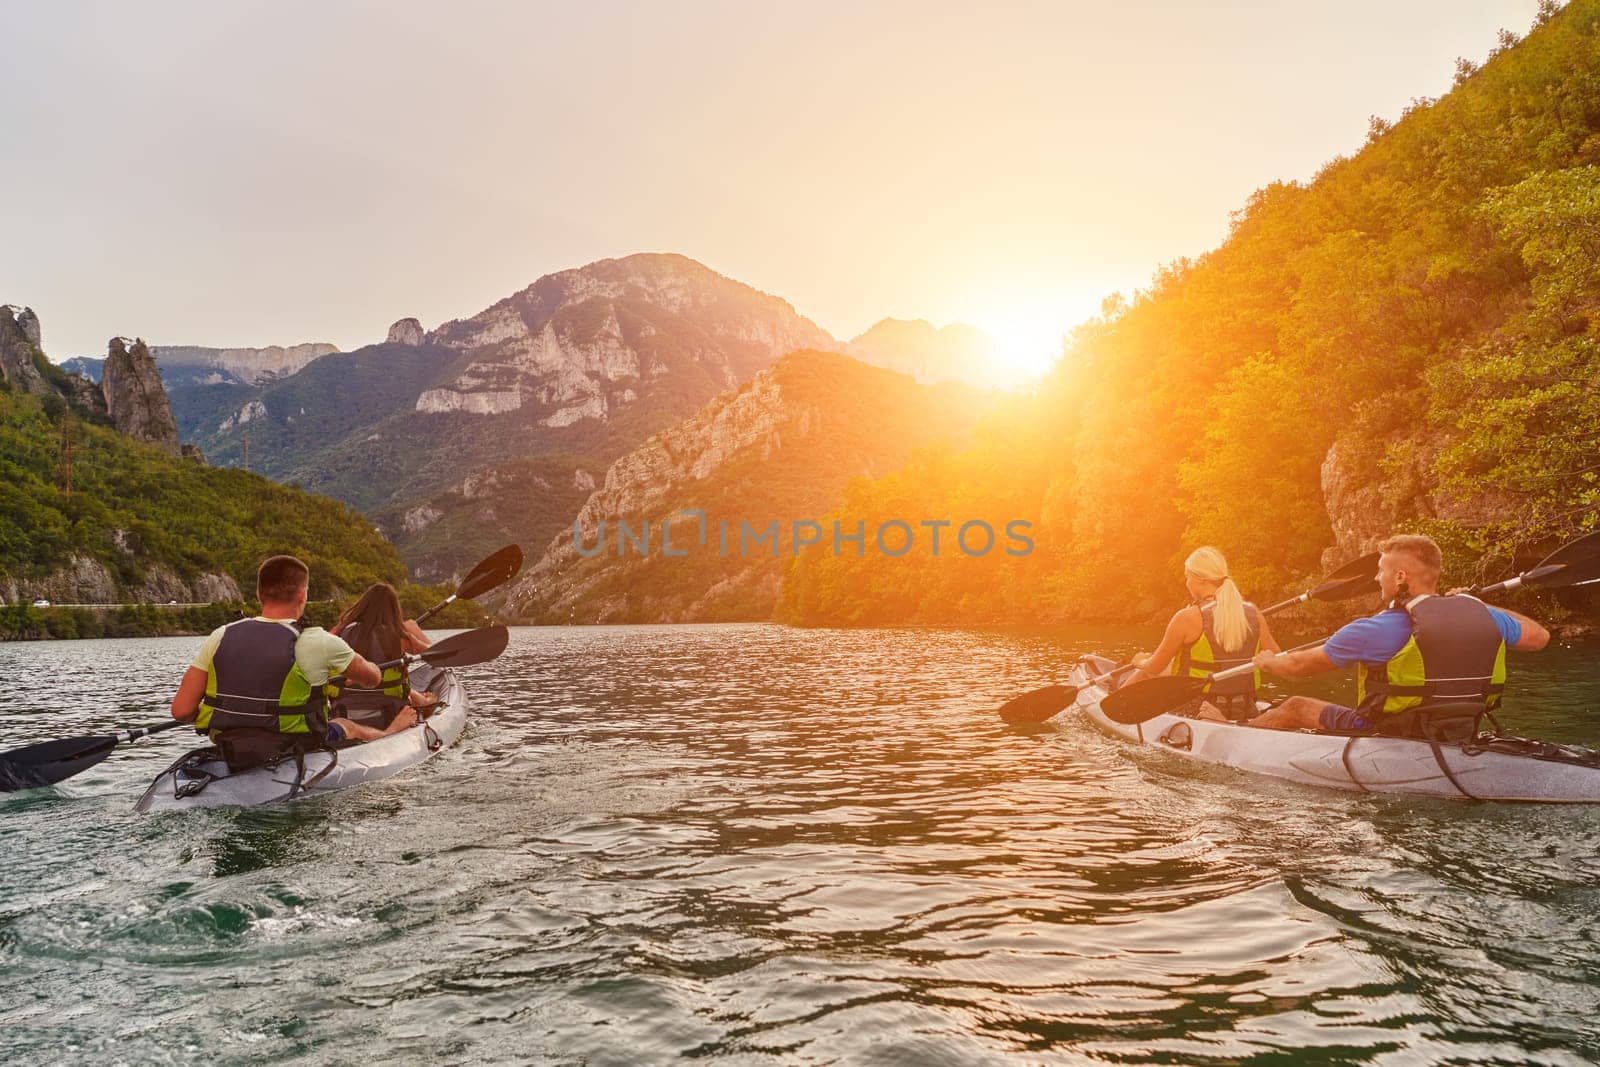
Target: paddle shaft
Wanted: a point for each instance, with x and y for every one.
(431, 612)
(146, 731)
(1246, 668)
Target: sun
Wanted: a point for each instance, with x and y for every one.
(1024, 347)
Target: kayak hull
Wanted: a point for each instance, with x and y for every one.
(1500, 769)
(324, 772)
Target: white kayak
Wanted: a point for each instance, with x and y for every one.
(199, 780)
(1488, 767)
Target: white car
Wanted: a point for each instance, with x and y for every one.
(41, 603)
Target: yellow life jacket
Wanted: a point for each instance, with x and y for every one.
(1206, 656)
(1455, 653)
(391, 692)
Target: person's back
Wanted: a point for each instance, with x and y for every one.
(255, 686)
(1218, 630)
(1212, 652)
(374, 627)
(1427, 665)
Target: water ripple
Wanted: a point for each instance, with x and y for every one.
(758, 844)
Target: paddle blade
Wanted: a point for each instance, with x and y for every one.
(1585, 549)
(1348, 588)
(464, 650)
(49, 762)
(1365, 567)
(1038, 705)
(1145, 700)
(1578, 572)
(494, 571)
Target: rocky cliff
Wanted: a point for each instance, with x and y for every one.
(195, 365)
(406, 332)
(135, 398)
(585, 343)
(19, 350)
(23, 365)
(250, 365)
(779, 449)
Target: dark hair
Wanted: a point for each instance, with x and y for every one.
(280, 579)
(377, 618)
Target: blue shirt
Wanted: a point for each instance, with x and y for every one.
(1378, 638)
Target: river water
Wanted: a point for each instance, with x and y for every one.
(758, 844)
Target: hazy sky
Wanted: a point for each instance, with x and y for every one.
(267, 173)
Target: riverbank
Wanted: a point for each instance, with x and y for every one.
(24, 622)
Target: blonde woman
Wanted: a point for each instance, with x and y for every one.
(1220, 629)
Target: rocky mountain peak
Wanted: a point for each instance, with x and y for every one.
(19, 341)
(135, 398)
(406, 332)
(586, 343)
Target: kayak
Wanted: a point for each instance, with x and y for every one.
(1490, 766)
(200, 779)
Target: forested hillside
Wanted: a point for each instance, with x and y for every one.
(1409, 340)
(90, 509)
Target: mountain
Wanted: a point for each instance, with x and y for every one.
(1408, 341)
(567, 374)
(100, 507)
(197, 365)
(915, 347)
(778, 450)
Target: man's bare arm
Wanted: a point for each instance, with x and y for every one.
(1296, 664)
(1534, 636)
(186, 704)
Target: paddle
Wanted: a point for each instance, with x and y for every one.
(460, 650)
(1352, 580)
(1576, 563)
(494, 571)
(49, 762)
(1159, 695)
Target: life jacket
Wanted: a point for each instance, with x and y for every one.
(1206, 655)
(1455, 654)
(360, 704)
(255, 684)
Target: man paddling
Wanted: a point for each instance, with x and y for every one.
(1423, 651)
(256, 685)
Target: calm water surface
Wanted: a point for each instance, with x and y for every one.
(757, 844)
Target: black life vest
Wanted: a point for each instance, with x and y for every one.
(254, 683)
(377, 706)
(1455, 654)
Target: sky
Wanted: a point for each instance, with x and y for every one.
(243, 174)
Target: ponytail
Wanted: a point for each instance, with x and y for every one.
(1228, 618)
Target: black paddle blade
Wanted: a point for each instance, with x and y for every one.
(48, 762)
(1155, 696)
(1348, 588)
(1564, 574)
(1585, 549)
(497, 569)
(464, 650)
(1365, 567)
(1038, 705)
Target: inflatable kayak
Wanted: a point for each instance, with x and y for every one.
(1488, 767)
(200, 779)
